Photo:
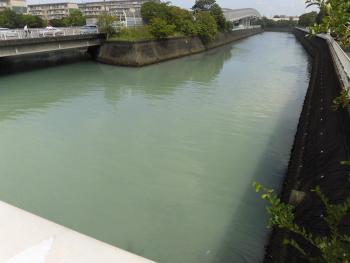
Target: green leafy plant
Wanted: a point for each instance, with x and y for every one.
(342, 101)
(332, 248)
(308, 19)
(160, 29)
(105, 23)
(335, 19)
(206, 26)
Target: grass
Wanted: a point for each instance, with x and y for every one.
(133, 34)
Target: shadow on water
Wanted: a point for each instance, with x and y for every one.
(40, 89)
(251, 207)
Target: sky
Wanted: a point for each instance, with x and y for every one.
(267, 8)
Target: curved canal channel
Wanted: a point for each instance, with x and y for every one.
(157, 160)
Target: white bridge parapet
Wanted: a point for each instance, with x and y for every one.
(26, 238)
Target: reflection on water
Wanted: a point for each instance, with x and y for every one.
(157, 160)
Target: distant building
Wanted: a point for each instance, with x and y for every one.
(119, 8)
(19, 6)
(285, 18)
(51, 11)
(241, 17)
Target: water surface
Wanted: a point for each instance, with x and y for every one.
(157, 160)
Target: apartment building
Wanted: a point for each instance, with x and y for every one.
(51, 11)
(19, 6)
(120, 8)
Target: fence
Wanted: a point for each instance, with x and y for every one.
(39, 33)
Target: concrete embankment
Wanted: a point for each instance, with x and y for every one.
(141, 53)
(9, 65)
(321, 143)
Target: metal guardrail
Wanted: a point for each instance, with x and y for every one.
(13, 34)
(340, 58)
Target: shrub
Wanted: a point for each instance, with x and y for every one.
(183, 20)
(134, 34)
(160, 29)
(205, 26)
(75, 18)
(105, 24)
(332, 248)
(150, 10)
(308, 19)
(335, 18)
(214, 9)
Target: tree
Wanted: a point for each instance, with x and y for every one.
(206, 26)
(308, 19)
(105, 24)
(203, 5)
(214, 9)
(32, 21)
(336, 19)
(183, 20)
(9, 19)
(218, 14)
(150, 10)
(160, 29)
(75, 18)
(57, 22)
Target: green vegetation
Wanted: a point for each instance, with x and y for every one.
(133, 34)
(10, 19)
(308, 19)
(164, 20)
(333, 247)
(160, 28)
(334, 18)
(105, 23)
(75, 18)
(265, 22)
(206, 26)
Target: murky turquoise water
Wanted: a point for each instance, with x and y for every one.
(157, 160)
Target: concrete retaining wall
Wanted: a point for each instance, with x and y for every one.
(143, 53)
(321, 143)
(10, 65)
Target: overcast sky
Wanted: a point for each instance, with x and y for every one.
(265, 7)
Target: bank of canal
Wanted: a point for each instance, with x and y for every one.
(157, 160)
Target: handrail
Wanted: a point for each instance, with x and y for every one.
(340, 58)
(38, 33)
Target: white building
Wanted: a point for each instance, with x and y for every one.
(51, 11)
(19, 6)
(285, 18)
(241, 17)
(119, 8)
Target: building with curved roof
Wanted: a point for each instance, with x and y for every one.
(241, 17)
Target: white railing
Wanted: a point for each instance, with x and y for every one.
(340, 58)
(39, 33)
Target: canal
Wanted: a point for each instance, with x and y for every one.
(157, 160)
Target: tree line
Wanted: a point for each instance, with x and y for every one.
(205, 19)
(11, 19)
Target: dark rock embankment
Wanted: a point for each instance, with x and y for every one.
(321, 143)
